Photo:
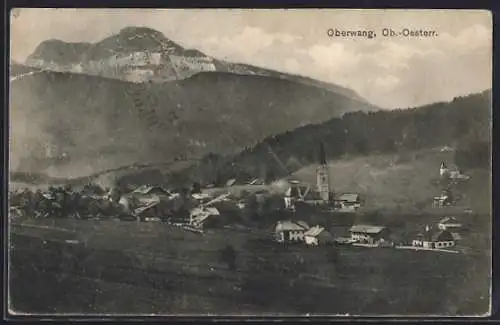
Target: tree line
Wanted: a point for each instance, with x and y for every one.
(464, 123)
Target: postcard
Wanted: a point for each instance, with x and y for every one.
(244, 162)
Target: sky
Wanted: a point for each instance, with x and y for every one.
(391, 72)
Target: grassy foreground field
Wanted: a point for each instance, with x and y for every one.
(140, 268)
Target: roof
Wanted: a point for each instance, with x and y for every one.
(367, 229)
(201, 196)
(296, 191)
(201, 214)
(291, 225)
(449, 220)
(446, 148)
(349, 197)
(313, 195)
(257, 181)
(196, 212)
(436, 235)
(146, 189)
(146, 207)
(314, 231)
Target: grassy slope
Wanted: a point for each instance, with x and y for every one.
(123, 260)
(401, 180)
(147, 268)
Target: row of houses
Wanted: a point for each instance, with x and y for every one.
(288, 231)
(155, 203)
(442, 236)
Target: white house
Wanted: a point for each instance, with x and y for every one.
(290, 231)
(349, 202)
(369, 234)
(444, 199)
(451, 173)
(434, 239)
(199, 215)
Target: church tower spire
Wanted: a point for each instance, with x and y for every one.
(322, 175)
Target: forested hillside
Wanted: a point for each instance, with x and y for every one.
(77, 125)
(464, 123)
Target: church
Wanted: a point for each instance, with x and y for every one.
(321, 195)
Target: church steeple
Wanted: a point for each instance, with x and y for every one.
(322, 175)
(322, 156)
(443, 170)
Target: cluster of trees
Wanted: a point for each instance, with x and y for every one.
(463, 120)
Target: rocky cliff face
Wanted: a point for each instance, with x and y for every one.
(85, 107)
(140, 54)
(135, 54)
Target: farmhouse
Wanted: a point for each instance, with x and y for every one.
(152, 210)
(349, 201)
(434, 239)
(449, 223)
(448, 173)
(290, 231)
(318, 235)
(445, 199)
(200, 216)
(369, 234)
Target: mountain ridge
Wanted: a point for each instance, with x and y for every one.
(468, 133)
(142, 54)
(99, 123)
(463, 123)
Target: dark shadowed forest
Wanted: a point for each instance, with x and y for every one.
(463, 123)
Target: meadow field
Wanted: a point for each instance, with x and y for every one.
(118, 268)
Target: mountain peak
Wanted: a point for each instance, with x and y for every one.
(140, 30)
(138, 38)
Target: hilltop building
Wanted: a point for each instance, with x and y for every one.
(445, 199)
(451, 173)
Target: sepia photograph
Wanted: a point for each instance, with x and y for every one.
(249, 162)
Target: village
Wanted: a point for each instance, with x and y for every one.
(199, 209)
